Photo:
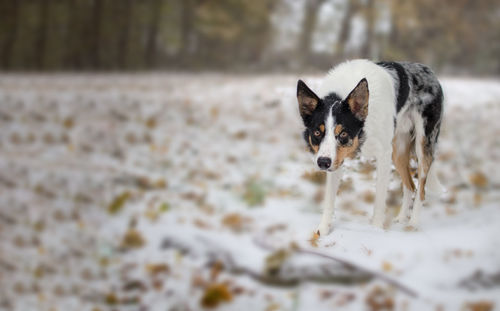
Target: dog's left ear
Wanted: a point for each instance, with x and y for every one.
(358, 100)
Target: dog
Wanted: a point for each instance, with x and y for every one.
(386, 110)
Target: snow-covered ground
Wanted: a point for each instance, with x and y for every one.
(190, 191)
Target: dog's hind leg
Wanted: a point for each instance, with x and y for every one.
(383, 175)
(401, 149)
(434, 186)
(425, 157)
(332, 186)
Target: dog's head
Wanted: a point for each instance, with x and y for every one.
(334, 126)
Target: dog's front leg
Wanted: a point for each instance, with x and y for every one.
(383, 175)
(332, 186)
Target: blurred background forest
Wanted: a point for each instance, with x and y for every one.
(452, 36)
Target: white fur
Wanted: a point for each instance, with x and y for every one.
(378, 128)
(327, 147)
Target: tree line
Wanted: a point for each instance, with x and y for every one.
(51, 35)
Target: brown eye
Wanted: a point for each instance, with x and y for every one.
(317, 133)
(343, 138)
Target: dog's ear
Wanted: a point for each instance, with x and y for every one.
(308, 101)
(358, 100)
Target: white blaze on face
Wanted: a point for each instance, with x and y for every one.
(327, 148)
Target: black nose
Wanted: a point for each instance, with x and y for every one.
(324, 163)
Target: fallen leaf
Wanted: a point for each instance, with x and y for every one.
(315, 177)
(151, 122)
(240, 135)
(236, 222)
(478, 179)
(111, 299)
(132, 239)
(273, 307)
(164, 207)
(379, 299)
(157, 268)
(314, 239)
(479, 306)
(215, 294)
(368, 196)
(134, 285)
(201, 224)
(217, 267)
(387, 266)
(118, 202)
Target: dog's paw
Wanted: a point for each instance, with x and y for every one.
(323, 229)
(414, 221)
(401, 219)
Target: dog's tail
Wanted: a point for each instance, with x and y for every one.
(433, 185)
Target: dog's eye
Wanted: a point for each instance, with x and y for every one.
(317, 133)
(343, 138)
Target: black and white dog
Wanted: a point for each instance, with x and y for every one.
(381, 110)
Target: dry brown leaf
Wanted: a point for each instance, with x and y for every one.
(236, 222)
(346, 186)
(387, 266)
(132, 239)
(118, 202)
(157, 268)
(446, 156)
(215, 294)
(197, 280)
(480, 306)
(478, 179)
(240, 135)
(319, 196)
(366, 168)
(315, 177)
(273, 306)
(201, 224)
(379, 299)
(68, 123)
(217, 267)
(450, 211)
(276, 227)
(111, 299)
(151, 122)
(134, 285)
(314, 239)
(368, 196)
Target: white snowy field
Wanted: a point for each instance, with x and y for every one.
(195, 191)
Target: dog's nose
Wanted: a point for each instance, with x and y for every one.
(324, 163)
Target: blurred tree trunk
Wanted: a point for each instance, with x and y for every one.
(152, 34)
(96, 33)
(73, 37)
(41, 40)
(123, 41)
(308, 24)
(345, 28)
(367, 47)
(187, 29)
(10, 21)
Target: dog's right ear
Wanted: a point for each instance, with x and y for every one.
(308, 101)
